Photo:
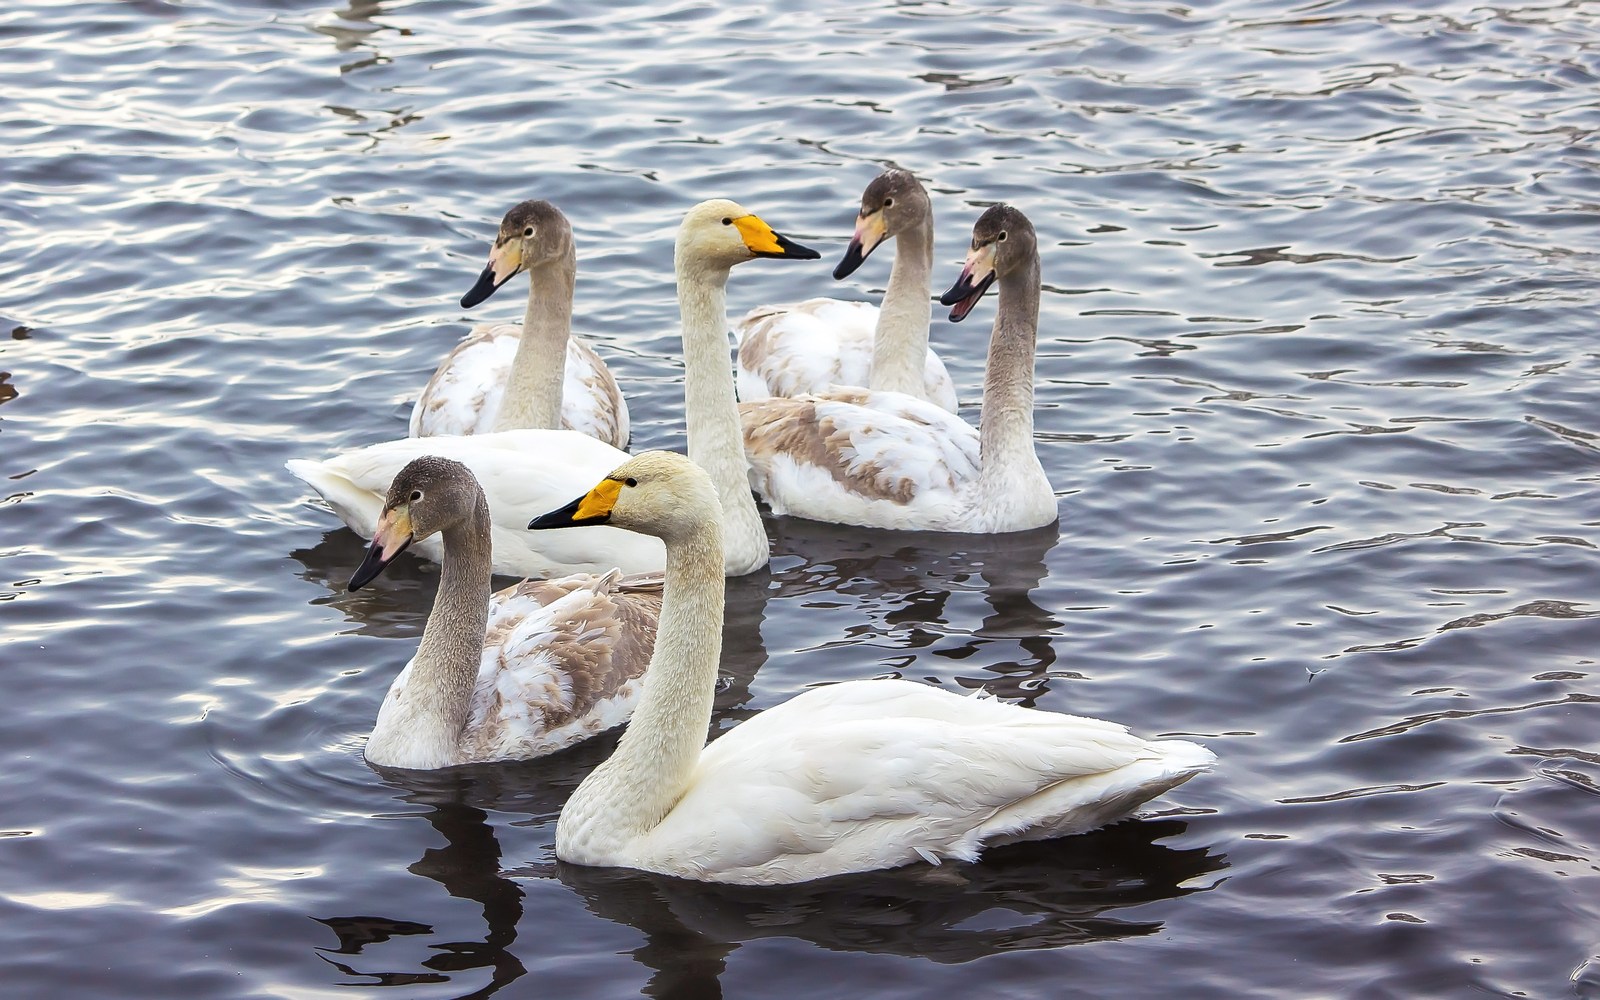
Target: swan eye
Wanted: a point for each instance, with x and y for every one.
(416, 495)
(1001, 238)
(630, 481)
(888, 203)
(528, 231)
(727, 222)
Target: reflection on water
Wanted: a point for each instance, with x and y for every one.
(1018, 898)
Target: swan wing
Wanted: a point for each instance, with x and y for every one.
(465, 392)
(562, 661)
(876, 774)
(853, 456)
(807, 347)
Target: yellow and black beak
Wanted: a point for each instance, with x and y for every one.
(760, 240)
(870, 233)
(505, 263)
(594, 507)
(391, 539)
(976, 277)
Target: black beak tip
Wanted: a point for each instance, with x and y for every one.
(484, 288)
(849, 262)
(558, 518)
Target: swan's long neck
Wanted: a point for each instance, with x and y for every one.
(631, 792)
(716, 440)
(423, 727)
(900, 344)
(1005, 428)
(533, 389)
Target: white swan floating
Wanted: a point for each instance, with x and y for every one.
(505, 375)
(821, 343)
(516, 674)
(847, 778)
(890, 460)
(527, 472)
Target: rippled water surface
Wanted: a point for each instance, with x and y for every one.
(1316, 379)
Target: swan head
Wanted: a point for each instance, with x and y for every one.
(658, 493)
(531, 235)
(894, 202)
(718, 234)
(1002, 242)
(429, 495)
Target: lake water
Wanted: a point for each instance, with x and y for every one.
(1316, 385)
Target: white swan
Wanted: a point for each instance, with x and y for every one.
(527, 472)
(534, 375)
(821, 343)
(889, 460)
(846, 778)
(520, 673)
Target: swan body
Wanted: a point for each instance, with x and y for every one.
(821, 343)
(517, 674)
(522, 472)
(505, 376)
(527, 472)
(847, 778)
(890, 460)
(465, 394)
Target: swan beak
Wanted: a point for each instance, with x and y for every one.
(391, 539)
(594, 507)
(760, 240)
(505, 261)
(870, 234)
(976, 277)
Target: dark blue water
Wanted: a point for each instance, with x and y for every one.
(1316, 380)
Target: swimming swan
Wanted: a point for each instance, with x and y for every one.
(505, 375)
(846, 778)
(889, 460)
(527, 472)
(820, 343)
(506, 676)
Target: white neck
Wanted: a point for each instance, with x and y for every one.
(629, 794)
(716, 441)
(900, 344)
(533, 389)
(1005, 428)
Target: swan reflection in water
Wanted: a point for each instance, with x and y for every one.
(1041, 895)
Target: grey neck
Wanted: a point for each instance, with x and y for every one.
(900, 343)
(533, 388)
(1005, 428)
(446, 666)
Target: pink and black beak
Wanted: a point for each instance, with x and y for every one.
(976, 277)
(505, 263)
(869, 235)
(392, 538)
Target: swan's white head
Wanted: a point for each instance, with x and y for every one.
(429, 495)
(658, 493)
(532, 234)
(1002, 241)
(894, 202)
(717, 234)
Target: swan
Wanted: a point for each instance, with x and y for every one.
(505, 676)
(850, 777)
(527, 472)
(533, 375)
(820, 343)
(889, 460)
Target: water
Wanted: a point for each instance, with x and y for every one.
(1315, 385)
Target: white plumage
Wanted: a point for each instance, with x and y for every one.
(464, 395)
(847, 778)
